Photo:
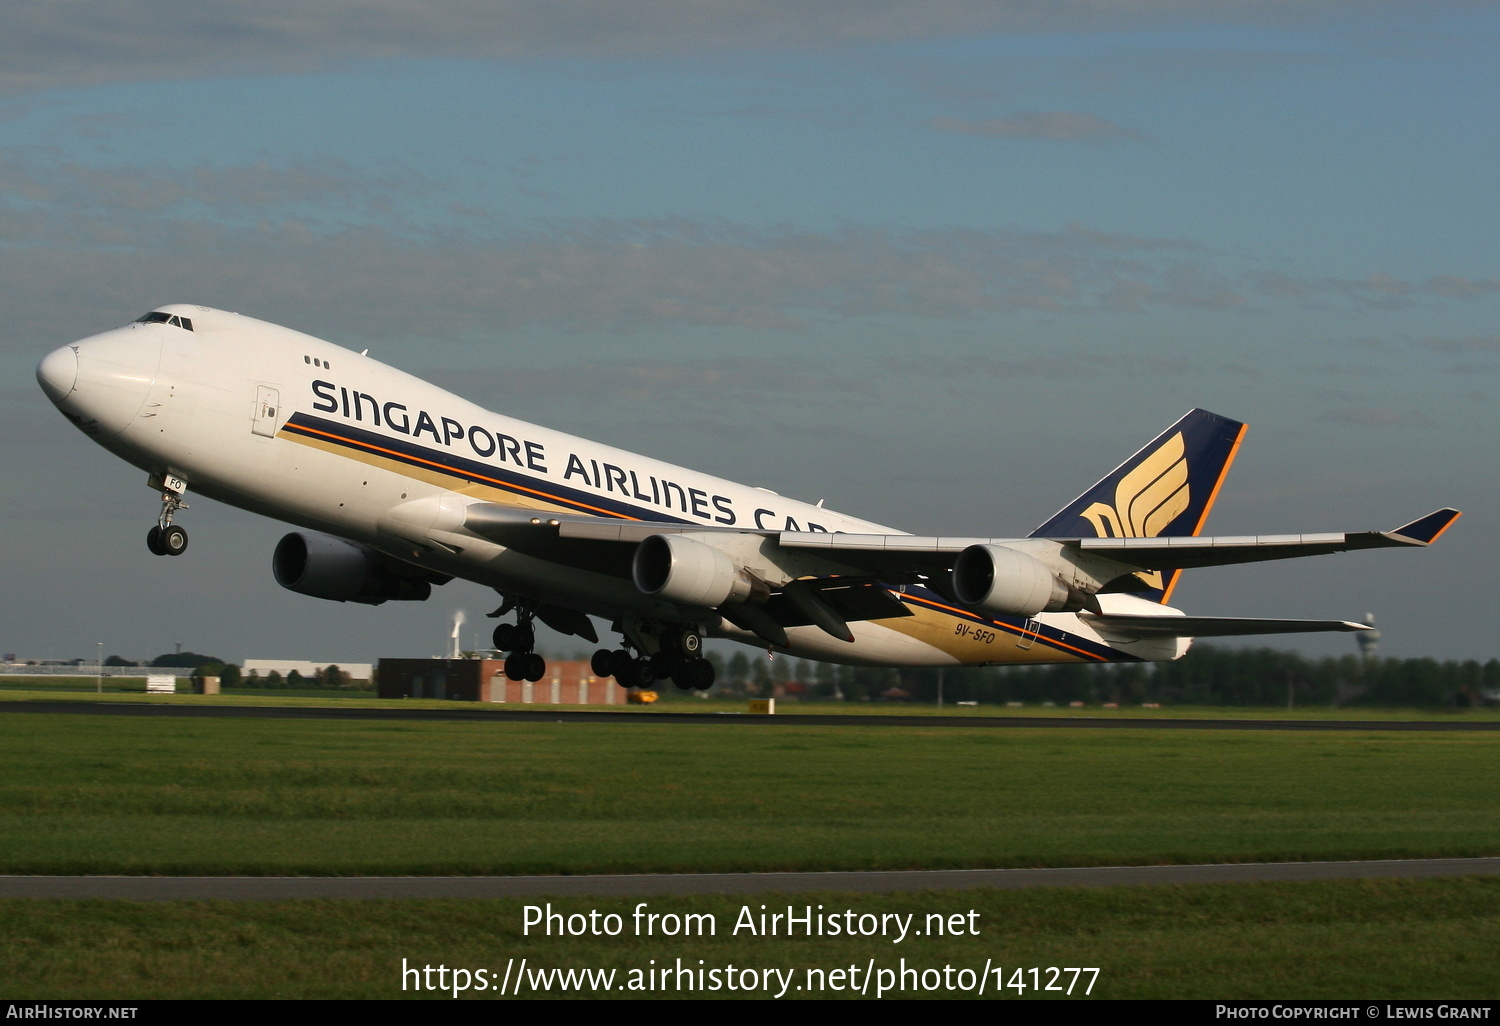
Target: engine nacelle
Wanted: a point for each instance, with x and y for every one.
(331, 568)
(691, 573)
(1004, 582)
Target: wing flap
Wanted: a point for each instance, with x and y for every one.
(850, 601)
(539, 534)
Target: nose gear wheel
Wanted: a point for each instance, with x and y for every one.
(166, 538)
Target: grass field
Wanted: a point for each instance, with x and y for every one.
(99, 794)
(85, 794)
(1364, 940)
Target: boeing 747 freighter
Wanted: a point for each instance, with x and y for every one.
(397, 485)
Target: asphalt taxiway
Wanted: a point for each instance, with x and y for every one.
(658, 717)
(280, 888)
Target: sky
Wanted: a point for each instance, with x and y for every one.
(941, 264)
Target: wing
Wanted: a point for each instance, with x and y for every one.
(772, 580)
(829, 597)
(1183, 552)
(894, 552)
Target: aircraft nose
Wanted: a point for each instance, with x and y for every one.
(102, 382)
(58, 373)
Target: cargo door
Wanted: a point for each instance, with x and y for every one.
(267, 406)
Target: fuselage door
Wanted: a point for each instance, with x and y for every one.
(267, 406)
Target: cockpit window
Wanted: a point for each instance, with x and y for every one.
(158, 317)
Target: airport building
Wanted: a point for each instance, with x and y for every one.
(567, 682)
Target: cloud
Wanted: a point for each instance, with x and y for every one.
(596, 274)
(323, 243)
(326, 245)
(37, 181)
(66, 43)
(1049, 124)
(1375, 417)
(708, 381)
(1377, 290)
(1470, 345)
(1057, 363)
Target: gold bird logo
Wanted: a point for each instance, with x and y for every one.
(1146, 500)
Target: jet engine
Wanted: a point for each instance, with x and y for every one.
(331, 568)
(1003, 582)
(691, 573)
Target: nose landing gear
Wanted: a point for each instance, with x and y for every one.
(166, 538)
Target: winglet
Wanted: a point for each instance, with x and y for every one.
(1426, 530)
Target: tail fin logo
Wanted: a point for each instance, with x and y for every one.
(1147, 499)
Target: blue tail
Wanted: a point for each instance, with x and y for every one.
(1165, 489)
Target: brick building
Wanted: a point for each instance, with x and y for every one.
(567, 682)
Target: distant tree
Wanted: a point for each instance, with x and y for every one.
(295, 680)
(229, 677)
(738, 670)
(876, 680)
(850, 684)
(760, 678)
(273, 680)
(115, 660)
(827, 680)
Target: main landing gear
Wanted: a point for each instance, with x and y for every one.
(166, 538)
(678, 656)
(519, 639)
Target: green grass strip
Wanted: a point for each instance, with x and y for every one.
(85, 794)
(1364, 940)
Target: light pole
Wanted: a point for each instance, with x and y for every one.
(99, 670)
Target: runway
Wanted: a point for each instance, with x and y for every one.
(281, 888)
(662, 718)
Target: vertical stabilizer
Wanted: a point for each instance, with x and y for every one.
(1165, 489)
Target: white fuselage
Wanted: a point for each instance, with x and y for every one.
(296, 428)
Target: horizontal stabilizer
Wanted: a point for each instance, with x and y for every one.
(1127, 626)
